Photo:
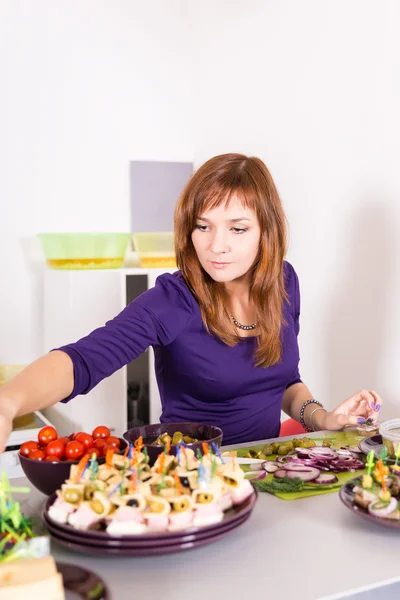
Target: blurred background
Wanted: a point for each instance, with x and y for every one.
(311, 87)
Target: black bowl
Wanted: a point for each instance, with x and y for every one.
(48, 477)
(205, 433)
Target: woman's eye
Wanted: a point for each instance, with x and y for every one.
(239, 230)
(202, 227)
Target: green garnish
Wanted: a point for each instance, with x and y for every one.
(289, 484)
(96, 591)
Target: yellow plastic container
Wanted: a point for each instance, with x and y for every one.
(85, 250)
(155, 250)
(8, 372)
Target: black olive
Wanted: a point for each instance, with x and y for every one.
(184, 481)
(98, 526)
(133, 502)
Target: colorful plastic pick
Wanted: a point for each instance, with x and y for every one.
(370, 463)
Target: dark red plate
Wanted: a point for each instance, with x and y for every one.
(374, 443)
(231, 516)
(346, 494)
(77, 537)
(129, 550)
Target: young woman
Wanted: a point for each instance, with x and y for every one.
(224, 327)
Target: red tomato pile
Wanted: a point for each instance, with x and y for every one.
(52, 448)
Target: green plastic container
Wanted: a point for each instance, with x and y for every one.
(85, 250)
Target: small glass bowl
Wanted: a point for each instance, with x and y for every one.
(390, 432)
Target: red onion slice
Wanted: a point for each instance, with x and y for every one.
(257, 475)
(326, 478)
(256, 466)
(280, 474)
(302, 452)
(323, 452)
(344, 452)
(379, 509)
(270, 466)
(355, 449)
(304, 475)
(288, 458)
(297, 467)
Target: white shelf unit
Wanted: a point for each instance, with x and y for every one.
(75, 303)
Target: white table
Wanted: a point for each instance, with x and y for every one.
(305, 549)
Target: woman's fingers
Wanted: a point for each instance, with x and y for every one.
(377, 401)
(371, 398)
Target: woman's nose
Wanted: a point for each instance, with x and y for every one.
(219, 242)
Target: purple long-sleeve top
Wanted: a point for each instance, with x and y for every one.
(200, 378)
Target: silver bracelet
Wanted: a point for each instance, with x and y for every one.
(312, 414)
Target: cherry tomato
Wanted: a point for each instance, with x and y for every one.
(74, 450)
(109, 447)
(85, 439)
(95, 451)
(113, 441)
(37, 455)
(28, 447)
(55, 448)
(101, 432)
(75, 435)
(99, 443)
(64, 440)
(47, 434)
(52, 459)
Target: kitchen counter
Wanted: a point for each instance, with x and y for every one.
(305, 549)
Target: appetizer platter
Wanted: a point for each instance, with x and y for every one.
(376, 494)
(304, 466)
(18, 535)
(124, 506)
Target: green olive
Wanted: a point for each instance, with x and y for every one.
(72, 496)
(181, 504)
(189, 440)
(90, 489)
(230, 481)
(97, 507)
(327, 443)
(204, 497)
(268, 450)
(282, 450)
(156, 507)
(176, 438)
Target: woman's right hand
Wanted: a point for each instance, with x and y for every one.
(6, 422)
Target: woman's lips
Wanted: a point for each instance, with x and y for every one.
(220, 265)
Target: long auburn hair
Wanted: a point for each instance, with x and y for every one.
(214, 183)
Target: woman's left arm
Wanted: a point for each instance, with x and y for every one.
(354, 411)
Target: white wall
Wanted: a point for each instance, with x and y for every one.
(313, 88)
(85, 88)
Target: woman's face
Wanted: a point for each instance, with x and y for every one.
(226, 240)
